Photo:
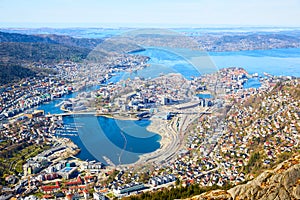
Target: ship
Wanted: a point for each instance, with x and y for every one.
(255, 75)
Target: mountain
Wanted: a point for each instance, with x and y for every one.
(16, 37)
(18, 51)
(21, 49)
(50, 39)
(282, 183)
(21, 53)
(71, 41)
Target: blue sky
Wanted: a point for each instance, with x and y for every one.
(159, 12)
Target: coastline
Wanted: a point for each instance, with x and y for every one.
(171, 139)
(156, 126)
(167, 141)
(72, 149)
(171, 132)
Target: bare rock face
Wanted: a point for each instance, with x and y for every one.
(281, 183)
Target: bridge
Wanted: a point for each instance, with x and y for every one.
(113, 113)
(192, 113)
(74, 113)
(91, 113)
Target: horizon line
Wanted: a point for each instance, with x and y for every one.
(62, 25)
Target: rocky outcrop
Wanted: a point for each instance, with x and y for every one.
(281, 183)
(213, 195)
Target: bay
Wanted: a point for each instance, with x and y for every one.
(122, 142)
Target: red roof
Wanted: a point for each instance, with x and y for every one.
(77, 182)
(104, 190)
(69, 196)
(47, 196)
(191, 181)
(49, 187)
(88, 177)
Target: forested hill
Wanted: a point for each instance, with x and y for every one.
(24, 53)
(19, 50)
(50, 39)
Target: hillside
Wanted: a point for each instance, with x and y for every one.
(18, 51)
(262, 135)
(21, 49)
(15, 57)
(279, 183)
(270, 122)
(50, 39)
(12, 72)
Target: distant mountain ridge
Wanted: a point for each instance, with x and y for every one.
(50, 39)
(242, 42)
(16, 37)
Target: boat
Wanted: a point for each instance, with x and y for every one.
(59, 104)
(255, 75)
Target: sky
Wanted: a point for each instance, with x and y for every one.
(150, 12)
